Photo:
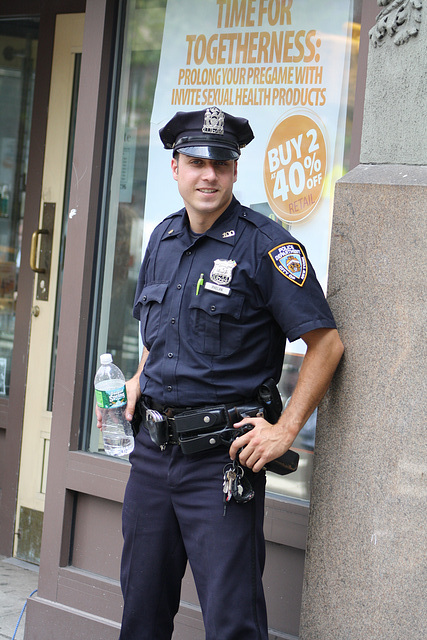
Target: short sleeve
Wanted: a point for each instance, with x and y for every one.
(290, 290)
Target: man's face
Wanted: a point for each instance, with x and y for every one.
(206, 186)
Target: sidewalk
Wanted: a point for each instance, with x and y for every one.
(17, 581)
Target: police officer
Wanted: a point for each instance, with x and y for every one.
(221, 288)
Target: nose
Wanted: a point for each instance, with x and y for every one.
(209, 172)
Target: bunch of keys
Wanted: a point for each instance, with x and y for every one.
(235, 484)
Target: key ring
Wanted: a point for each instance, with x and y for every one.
(232, 466)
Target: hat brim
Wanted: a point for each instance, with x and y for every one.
(210, 153)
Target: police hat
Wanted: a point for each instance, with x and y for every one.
(210, 133)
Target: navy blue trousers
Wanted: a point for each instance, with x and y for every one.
(173, 511)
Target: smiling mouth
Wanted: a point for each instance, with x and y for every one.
(207, 190)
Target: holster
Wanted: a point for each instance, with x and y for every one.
(269, 396)
(138, 417)
(157, 424)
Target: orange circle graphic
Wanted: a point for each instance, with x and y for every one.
(295, 167)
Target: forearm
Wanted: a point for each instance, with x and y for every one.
(267, 442)
(133, 388)
(324, 351)
(145, 354)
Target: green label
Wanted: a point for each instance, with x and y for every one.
(108, 399)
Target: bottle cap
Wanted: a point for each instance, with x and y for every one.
(106, 358)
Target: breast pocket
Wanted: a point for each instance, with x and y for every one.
(150, 308)
(216, 323)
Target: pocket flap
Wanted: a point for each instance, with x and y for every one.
(153, 293)
(216, 304)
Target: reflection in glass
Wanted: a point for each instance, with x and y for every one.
(295, 485)
(18, 52)
(118, 331)
(64, 225)
(138, 81)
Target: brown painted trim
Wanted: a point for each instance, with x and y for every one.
(12, 8)
(52, 620)
(286, 522)
(92, 111)
(12, 410)
(89, 592)
(97, 475)
(101, 477)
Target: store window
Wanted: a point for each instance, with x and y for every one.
(18, 53)
(291, 70)
(117, 331)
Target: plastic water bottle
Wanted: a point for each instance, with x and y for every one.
(110, 392)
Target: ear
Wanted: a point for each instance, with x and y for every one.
(235, 171)
(174, 166)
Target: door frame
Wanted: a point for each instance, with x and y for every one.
(66, 472)
(12, 408)
(37, 415)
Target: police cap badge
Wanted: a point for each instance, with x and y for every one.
(210, 133)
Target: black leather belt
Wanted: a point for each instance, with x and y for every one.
(195, 428)
(201, 428)
(169, 412)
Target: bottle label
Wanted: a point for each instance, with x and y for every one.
(111, 399)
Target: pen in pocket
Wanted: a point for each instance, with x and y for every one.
(200, 283)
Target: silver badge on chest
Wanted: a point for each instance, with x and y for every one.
(221, 276)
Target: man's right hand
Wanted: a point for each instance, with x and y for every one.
(98, 417)
(133, 392)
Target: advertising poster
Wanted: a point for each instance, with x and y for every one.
(281, 64)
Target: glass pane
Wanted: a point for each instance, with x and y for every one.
(118, 331)
(18, 52)
(297, 485)
(142, 85)
(143, 43)
(64, 226)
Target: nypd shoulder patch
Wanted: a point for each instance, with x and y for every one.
(290, 260)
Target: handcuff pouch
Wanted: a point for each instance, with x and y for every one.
(200, 429)
(200, 421)
(158, 427)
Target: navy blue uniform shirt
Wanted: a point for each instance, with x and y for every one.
(218, 342)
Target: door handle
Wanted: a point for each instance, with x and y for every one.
(40, 259)
(33, 251)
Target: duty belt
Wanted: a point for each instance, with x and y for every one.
(198, 429)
